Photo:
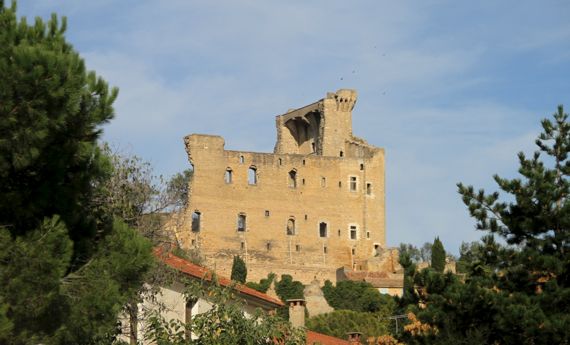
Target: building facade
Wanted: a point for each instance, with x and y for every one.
(313, 205)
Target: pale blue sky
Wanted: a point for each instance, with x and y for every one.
(451, 89)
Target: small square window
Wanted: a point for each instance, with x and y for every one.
(267, 213)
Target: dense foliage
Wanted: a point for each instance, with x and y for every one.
(341, 322)
(518, 293)
(66, 267)
(263, 284)
(225, 323)
(239, 270)
(357, 296)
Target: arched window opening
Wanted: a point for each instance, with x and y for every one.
(293, 178)
(241, 222)
(228, 175)
(323, 231)
(323, 182)
(291, 226)
(361, 166)
(341, 154)
(241, 159)
(252, 175)
(196, 221)
(280, 161)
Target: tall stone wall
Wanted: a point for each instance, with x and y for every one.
(310, 211)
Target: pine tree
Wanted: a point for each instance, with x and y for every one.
(239, 270)
(66, 269)
(438, 256)
(518, 293)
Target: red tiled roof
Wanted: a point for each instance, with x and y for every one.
(200, 272)
(322, 339)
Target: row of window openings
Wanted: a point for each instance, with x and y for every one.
(341, 154)
(252, 180)
(297, 248)
(241, 226)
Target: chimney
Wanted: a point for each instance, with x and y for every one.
(354, 338)
(297, 312)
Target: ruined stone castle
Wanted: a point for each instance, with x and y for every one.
(314, 205)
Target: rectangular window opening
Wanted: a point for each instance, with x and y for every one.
(353, 232)
(323, 229)
(297, 248)
(267, 213)
(368, 188)
(196, 221)
(241, 222)
(353, 183)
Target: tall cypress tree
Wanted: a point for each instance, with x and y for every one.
(438, 256)
(239, 270)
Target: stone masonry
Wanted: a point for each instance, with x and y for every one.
(314, 205)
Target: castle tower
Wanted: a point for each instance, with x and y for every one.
(312, 206)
